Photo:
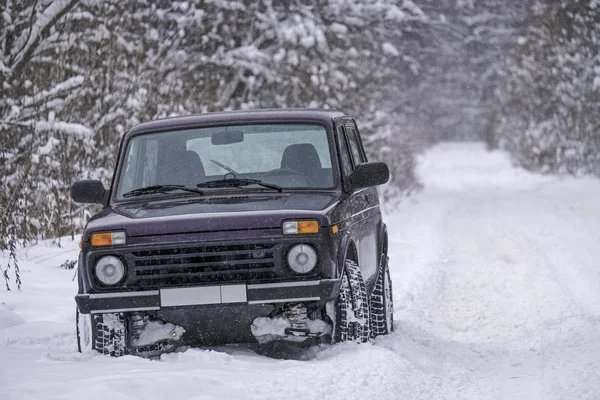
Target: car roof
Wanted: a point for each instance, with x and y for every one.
(234, 117)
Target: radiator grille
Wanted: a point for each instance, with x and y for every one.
(204, 264)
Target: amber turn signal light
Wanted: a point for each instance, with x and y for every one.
(296, 227)
(108, 238)
(308, 227)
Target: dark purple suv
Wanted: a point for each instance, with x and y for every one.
(235, 227)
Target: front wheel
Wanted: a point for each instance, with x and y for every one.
(352, 307)
(105, 333)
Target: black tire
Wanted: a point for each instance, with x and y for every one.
(111, 334)
(352, 307)
(106, 333)
(382, 302)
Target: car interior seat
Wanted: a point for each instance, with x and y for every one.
(182, 168)
(303, 158)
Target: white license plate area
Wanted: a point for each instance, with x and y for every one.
(203, 295)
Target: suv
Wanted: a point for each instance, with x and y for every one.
(235, 227)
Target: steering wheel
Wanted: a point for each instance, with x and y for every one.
(287, 171)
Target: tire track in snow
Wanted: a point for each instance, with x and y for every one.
(487, 265)
(488, 293)
(507, 298)
(522, 363)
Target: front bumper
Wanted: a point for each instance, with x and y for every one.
(263, 293)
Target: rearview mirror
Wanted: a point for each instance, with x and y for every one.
(227, 137)
(88, 191)
(369, 174)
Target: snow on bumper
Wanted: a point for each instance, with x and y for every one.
(262, 293)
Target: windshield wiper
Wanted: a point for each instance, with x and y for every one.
(160, 189)
(237, 182)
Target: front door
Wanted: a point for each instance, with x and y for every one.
(362, 205)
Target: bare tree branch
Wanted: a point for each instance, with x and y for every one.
(39, 30)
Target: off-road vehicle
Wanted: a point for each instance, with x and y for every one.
(235, 227)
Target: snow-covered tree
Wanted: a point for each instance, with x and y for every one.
(552, 90)
(75, 74)
(35, 92)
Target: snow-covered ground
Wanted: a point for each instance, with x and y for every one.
(496, 275)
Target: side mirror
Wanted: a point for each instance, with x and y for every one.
(369, 174)
(88, 191)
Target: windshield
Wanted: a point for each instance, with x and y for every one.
(285, 155)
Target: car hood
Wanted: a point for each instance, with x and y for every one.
(211, 213)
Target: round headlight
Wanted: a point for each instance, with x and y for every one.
(109, 270)
(302, 258)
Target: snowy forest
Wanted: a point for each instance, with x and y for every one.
(75, 74)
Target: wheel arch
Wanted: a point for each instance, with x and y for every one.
(383, 248)
(348, 249)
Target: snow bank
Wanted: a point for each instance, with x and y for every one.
(9, 318)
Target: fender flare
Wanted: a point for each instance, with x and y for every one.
(383, 240)
(383, 247)
(346, 244)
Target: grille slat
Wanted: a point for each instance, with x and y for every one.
(200, 274)
(202, 254)
(243, 263)
(194, 264)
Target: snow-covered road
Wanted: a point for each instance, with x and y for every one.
(496, 277)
